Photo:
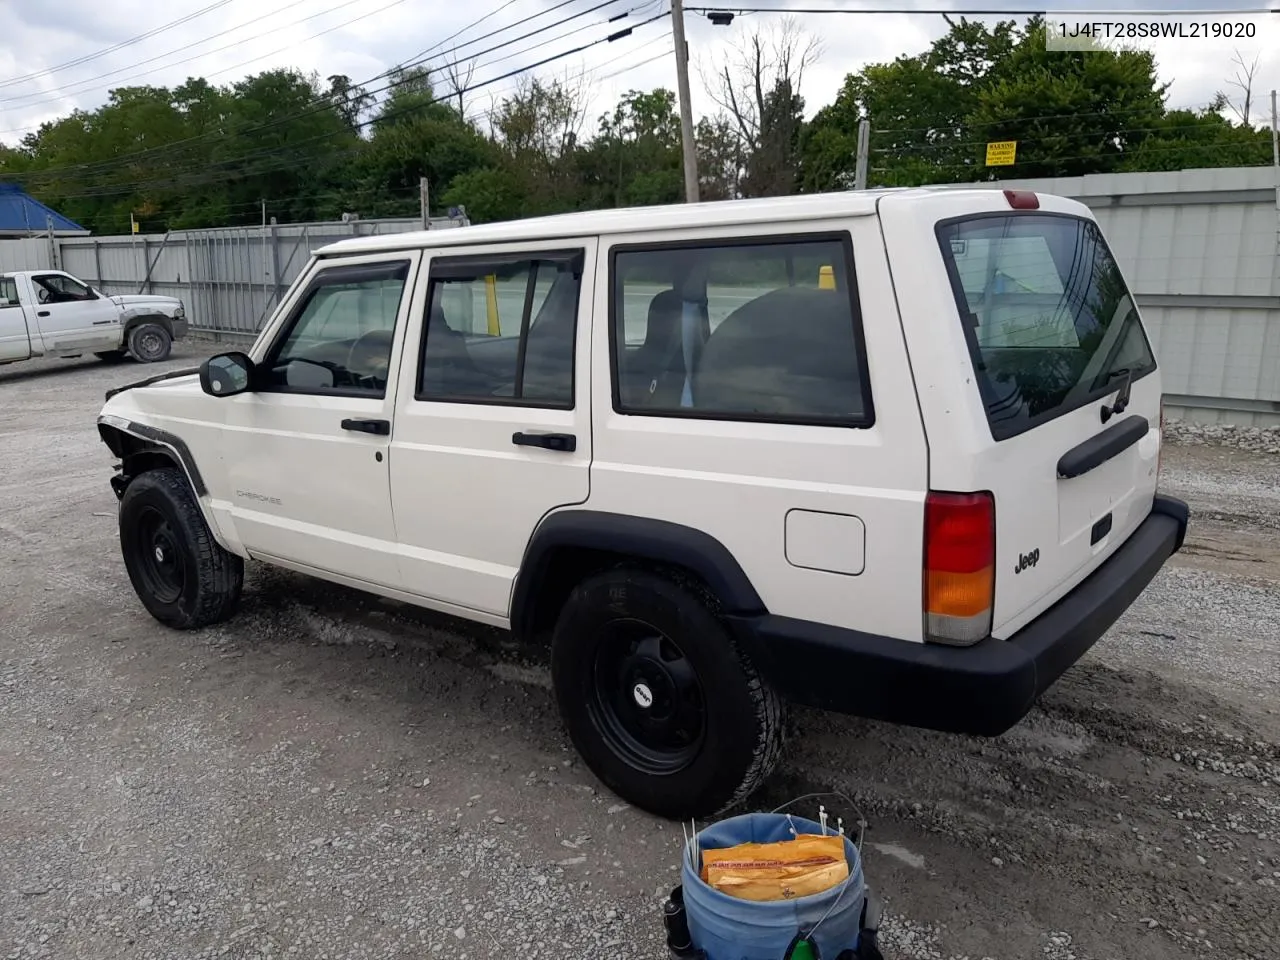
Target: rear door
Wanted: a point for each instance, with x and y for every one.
(1023, 334)
(493, 417)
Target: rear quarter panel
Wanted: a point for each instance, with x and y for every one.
(738, 481)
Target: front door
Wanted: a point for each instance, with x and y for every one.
(493, 423)
(73, 318)
(306, 449)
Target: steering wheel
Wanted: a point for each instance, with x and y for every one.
(42, 294)
(380, 363)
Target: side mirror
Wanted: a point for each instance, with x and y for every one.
(226, 374)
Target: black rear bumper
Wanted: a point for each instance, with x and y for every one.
(982, 689)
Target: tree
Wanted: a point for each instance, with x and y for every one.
(1242, 79)
(634, 159)
(458, 76)
(1071, 113)
(537, 129)
(758, 87)
(720, 159)
(350, 100)
(932, 114)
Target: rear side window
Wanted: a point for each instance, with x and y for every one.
(760, 329)
(1050, 322)
(8, 292)
(502, 330)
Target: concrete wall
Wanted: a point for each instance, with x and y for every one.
(1201, 250)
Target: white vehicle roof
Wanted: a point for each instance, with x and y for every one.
(730, 213)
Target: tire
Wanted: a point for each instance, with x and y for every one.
(180, 573)
(112, 356)
(150, 343)
(663, 706)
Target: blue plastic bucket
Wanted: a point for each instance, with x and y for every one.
(728, 928)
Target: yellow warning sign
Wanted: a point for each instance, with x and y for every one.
(1001, 153)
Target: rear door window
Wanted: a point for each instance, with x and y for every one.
(1050, 323)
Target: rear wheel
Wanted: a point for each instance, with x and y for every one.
(658, 699)
(150, 342)
(180, 573)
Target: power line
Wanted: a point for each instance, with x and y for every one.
(323, 102)
(405, 193)
(87, 84)
(119, 46)
(1047, 116)
(79, 86)
(1068, 135)
(986, 12)
(210, 176)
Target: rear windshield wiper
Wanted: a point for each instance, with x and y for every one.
(1122, 398)
(172, 374)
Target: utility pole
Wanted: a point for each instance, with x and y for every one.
(1275, 157)
(1275, 135)
(864, 151)
(688, 146)
(423, 198)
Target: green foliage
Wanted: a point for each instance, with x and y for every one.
(200, 155)
(1071, 114)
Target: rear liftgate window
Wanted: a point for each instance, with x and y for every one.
(1049, 320)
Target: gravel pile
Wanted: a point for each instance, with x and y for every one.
(1254, 439)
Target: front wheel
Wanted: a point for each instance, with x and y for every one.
(658, 699)
(180, 573)
(150, 342)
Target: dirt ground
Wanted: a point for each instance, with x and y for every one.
(331, 775)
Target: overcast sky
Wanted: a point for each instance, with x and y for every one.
(41, 39)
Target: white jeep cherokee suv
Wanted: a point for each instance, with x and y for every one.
(887, 453)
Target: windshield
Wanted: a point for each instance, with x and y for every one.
(1050, 322)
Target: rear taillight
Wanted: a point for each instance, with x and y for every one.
(959, 566)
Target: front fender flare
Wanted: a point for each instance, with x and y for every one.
(110, 428)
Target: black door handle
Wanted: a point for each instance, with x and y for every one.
(564, 442)
(42, 313)
(380, 427)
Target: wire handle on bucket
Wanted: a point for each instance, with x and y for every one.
(862, 821)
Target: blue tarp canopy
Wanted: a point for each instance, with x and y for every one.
(21, 215)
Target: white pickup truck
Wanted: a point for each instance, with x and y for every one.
(49, 313)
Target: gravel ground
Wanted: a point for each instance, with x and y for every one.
(330, 775)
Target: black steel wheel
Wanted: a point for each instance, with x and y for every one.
(183, 577)
(657, 697)
(646, 700)
(162, 564)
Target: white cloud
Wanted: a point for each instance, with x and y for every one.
(362, 38)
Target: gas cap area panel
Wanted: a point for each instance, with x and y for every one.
(830, 542)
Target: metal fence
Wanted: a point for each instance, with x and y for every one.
(32, 253)
(230, 278)
(1201, 249)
